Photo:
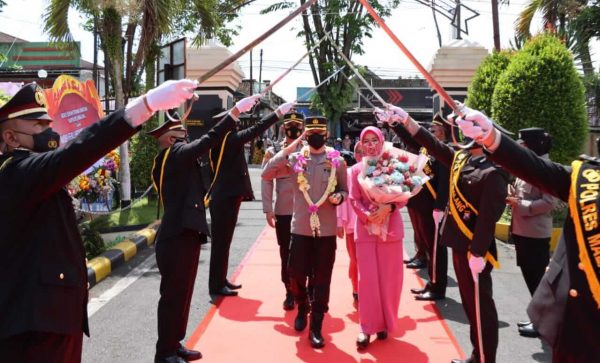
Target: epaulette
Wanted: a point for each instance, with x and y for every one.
(589, 159)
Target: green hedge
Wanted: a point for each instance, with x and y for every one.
(143, 150)
(541, 88)
(481, 90)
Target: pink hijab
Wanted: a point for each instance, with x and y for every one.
(369, 151)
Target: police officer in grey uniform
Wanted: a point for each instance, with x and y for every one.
(283, 183)
(313, 241)
(531, 222)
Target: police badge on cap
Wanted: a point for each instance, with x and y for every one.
(29, 103)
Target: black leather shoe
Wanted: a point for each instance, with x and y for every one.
(300, 321)
(417, 263)
(224, 291)
(420, 291)
(288, 303)
(528, 331)
(232, 286)
(468, 360)
(429, 296)
(382, 335)
(188, 354)
(523, 323)
(363, 340)
(171, 359)
(410, 259)
(315, 336)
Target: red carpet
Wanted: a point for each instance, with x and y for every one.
(253, 327)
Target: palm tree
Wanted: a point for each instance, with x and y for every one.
(558, 17)
(129, 34)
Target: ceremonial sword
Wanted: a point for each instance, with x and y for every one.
(281, 76)
(456, 108)
(319, 85)
(353, 67)
(248, 47)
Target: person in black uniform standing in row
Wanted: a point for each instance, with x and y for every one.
(428, 209)
(230, 186)
(419, 211)
(476, 201)
(177, 180)
(43, 275)
(565, 309)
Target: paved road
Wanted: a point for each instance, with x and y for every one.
(123, 324)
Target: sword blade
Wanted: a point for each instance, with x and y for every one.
(478, 318)
(355, 70)
(320, 84)
(432, 82)
(287, 71)
(255, 42)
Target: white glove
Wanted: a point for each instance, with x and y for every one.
(246, 104)
(437, 216)
(170, 94)
(381, 115)
(475, 124)
(284, 108)
(476, 264)
(401, 115)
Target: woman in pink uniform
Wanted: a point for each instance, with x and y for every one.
(346, 222)
(379, 260)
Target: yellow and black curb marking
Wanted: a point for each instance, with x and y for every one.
(100, 267)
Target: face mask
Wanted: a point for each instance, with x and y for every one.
(316, 141)
(46, 140)
(293, 132)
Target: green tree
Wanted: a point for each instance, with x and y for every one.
(348, 23)
(560, 17)
(128, 32)
(481, 89)
(541, 88)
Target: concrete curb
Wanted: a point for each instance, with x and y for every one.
(100, 267)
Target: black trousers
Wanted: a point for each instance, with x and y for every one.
(533, 255)
(283, 226)
(421, 233)
(489, 315)
(312, 257)
(441, 267)
(424, 231)
(41, 347)
(177, 260)
(223, 218)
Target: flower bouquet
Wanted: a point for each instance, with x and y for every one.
(98, 183)
(393, 177)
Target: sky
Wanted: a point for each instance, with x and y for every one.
(411, 22)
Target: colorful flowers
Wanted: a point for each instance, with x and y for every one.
(391, 170)
(98, 183)
(334, 158)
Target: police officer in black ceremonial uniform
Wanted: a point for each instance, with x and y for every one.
(229, 187)
(565, 309)
(177, 179)
(419, 211)
(427, 208)
(476, 201)
(43, 275)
